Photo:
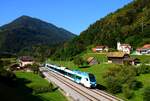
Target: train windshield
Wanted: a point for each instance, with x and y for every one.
(92, 78)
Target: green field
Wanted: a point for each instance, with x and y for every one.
(143, 58)
(99, 69)
(101, 57)
(30, 80)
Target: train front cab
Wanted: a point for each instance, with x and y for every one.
(92, 80)
(88, 81)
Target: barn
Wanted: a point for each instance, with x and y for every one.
(92, 61)
(121, 58)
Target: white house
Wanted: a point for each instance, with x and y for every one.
(144, 50)
(24, 60)
(124, 47)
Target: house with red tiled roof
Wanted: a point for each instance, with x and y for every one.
(143, 50)
(101, 48)
(124, 47)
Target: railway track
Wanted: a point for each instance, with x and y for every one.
(103, 93)
(83, 93)
(91, 95)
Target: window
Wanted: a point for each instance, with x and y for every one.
(92, 78)
(86, 79)
(78, 77)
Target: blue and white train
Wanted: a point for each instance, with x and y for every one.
(84, 78)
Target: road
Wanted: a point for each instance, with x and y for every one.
(75, 91)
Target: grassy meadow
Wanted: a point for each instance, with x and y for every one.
(99, 69)
(33, 80)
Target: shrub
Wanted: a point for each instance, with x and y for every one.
(135, 85)
(143, 69)
(146, 94)
(113, 85)
(78, 61)
(127, 92)
(116, 77)
(38, 90)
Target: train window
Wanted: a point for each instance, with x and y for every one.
(69, 74)
(86, 79)
(92, 78)
(78, 77)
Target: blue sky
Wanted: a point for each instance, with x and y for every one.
(73, 15)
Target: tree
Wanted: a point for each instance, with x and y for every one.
(115, 77)
(146, 94)
(78, 61)
(113, 85)
(35, 68)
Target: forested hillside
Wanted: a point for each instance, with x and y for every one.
(26, 32)
(130, 24)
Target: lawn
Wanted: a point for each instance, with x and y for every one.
(101, 57)
(100, 69)
(30, 80)
(143, 58)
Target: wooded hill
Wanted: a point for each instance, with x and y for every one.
(26, 32)
(130, 24)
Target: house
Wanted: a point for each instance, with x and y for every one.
(132, 61)
(121, 58)
(24, 60)
(100, 49)
(124, 47)
(92, 61)
(144, 50)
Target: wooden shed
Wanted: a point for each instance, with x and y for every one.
(117, 57)
(121, 58)
(92, 61)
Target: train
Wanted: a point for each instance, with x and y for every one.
(86, 79)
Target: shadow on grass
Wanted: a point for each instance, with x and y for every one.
(19, 92)
(56, 88)
(100, 87)
(84, 67)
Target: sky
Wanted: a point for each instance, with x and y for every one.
(73, 15)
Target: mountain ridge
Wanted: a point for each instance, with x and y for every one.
(27, 31)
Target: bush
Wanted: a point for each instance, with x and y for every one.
(143, 69)
(113, 85)
(135, 85)
(78, 61)
(127, 92)
(37, 90)
(116, 77)
(146, 94)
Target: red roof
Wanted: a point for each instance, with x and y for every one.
(146, 46)
(100, 46)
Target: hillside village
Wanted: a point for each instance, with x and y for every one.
(123, 53)
(42, 62)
